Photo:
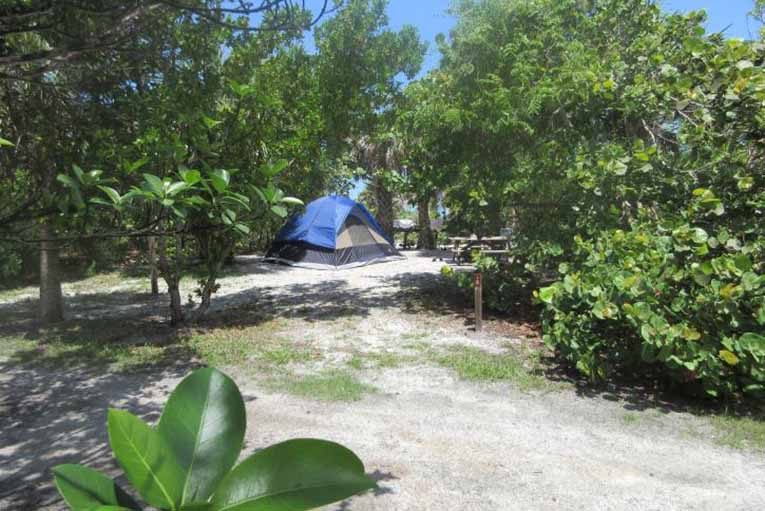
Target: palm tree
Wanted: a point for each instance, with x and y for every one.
(381, 157)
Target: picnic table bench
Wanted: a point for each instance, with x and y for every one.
(496, 246)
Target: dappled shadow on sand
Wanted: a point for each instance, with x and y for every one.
(49, 417)
(54, 400)
(326, 300)
(381, 489)
(645, 391)
(20, 318)
(138, 319)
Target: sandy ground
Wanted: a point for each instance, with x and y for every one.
(433, 441)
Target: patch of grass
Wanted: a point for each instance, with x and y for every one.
(329, 385)
(356, 362)
(478, 365)
(223, 347)
(222, 350)
(89, 282)
(136, 358)
(103, 282)
(10, 346)
(286, 354)
(740, 432)
(94, 352)
(415, 336)
(385, 359)
(420, 346)
(376, 359)
(128, 347)
(630, 418)
(74, 343)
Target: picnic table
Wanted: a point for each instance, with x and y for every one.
(495, 246)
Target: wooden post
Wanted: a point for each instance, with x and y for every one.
(153, 274)
(478, 285)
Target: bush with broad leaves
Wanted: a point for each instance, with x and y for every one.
(684, 301)
(188, 460)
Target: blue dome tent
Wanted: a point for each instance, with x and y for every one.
(334, 232)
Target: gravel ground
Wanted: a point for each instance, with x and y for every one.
(433, 441)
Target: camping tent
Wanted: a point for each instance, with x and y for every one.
(333, 232)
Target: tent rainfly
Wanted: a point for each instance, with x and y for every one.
(333, 233)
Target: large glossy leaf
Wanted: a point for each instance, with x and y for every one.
(113, 194)
(154, 184)
(147, 459)
(84, 489)
(191, 177)
(294, 475)
(204, 422)
(292, 200)
(279, 211)
(176, 188)
(220, 179)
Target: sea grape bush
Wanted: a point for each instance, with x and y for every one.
(625, 146)
(688, 302)
(188, 460)
(681, 287)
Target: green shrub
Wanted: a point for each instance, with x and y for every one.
(187, 460)
(10, 263)
(504, 285)
(685, 301)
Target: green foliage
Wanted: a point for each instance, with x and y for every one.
(10, 262)
(504, 285)
(678, 300)
(85, 488)
(205, 440)
(296, 474)
(617, 141)
(208, 205)
(359, 67)
(186, 461)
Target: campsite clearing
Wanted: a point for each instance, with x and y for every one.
(382, 359)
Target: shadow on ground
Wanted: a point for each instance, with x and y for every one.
(53, 417)
(140, 319)
(55, 412)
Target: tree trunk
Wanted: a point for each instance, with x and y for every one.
(176, 306)
(173, 281)
(425, 240)
(384, 203)
(51, 298)
(154, 275)
(217, 251)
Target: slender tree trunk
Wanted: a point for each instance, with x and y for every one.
(154, 275)
(51, 298)
(384, 203)
(425, 238)
(176, 305)
(172, 279)
(216, 253)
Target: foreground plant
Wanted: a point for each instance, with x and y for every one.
(187, 460)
